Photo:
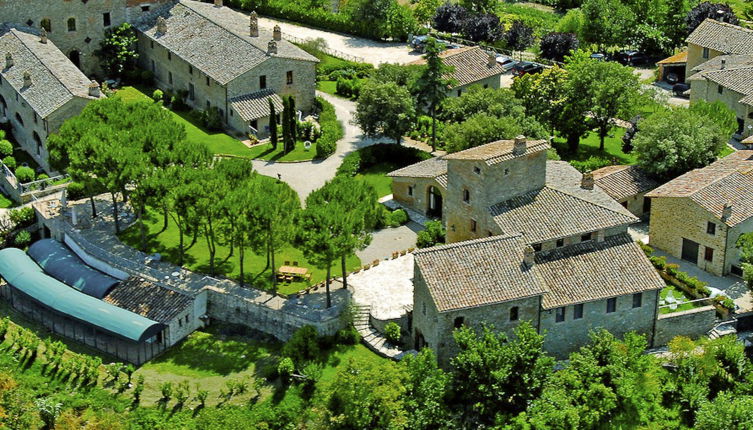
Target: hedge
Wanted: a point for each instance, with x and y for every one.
(332, 129)
(364, 158)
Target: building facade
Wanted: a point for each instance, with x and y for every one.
(470, 66)
(628, 186)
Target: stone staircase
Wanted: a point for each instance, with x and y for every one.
(723, 329)
(371, 337)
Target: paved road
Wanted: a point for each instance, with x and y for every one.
(307, 176)
(369, 50)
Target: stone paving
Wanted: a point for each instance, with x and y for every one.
(388, 240)
(387, 288)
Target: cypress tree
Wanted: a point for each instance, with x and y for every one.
(285, 124)
(272, 125)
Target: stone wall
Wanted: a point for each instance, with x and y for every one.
(707, 90)
(419, 200)
(635, 204)
(490, 82)
(692, 323)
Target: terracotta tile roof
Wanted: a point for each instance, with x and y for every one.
(470, 64)
(726, 181)
(215, 40)
(477, 272)
(621, 182)
(149, 300)
(497, 152)
(256, 105)
(679, 58)
(722, 37)
(432, 168)
(733, 61)
(593, 270)
(55, 79)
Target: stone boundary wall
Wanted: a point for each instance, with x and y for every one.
(94, 262)
(692, 323)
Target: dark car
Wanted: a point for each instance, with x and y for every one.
(672, 78)
(680, 89)
(526, 67)
(630, 58)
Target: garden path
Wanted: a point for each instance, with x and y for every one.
(388, 240)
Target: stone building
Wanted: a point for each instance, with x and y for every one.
(421, 186)
(470, 66)
(529, 240)
(222, 59)
(700, 215)
(628, 185)
(40, 88)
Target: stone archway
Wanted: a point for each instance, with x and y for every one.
(433, 202)
(75, 57)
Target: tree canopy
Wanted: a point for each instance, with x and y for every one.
(385, 109)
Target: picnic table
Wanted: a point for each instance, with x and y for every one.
(294, 272)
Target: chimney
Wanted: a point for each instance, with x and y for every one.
(94, 89)
(519, 146)
(27, 79)
(492, 60)
(253, 25)
(272, 47)
(161, 25)
(600, 236)
(587, 181)
(277, 33)
(726, 211)
(43, 36)
(8, 60)
(724, 64)
(528, 256)
(217, 3)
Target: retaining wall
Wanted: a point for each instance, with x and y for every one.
(692, 323)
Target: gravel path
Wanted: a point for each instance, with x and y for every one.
(386, 241)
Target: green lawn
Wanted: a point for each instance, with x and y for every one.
(589, 147)
(377, 176)
(329, 87)
(677, 293)
(197, 257)
(265, 152)
(5, 202)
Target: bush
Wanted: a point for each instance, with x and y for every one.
(748, 274)
(347, 336)
(591, 164)
(303, 345)
(211, 119)
(10, 162)
(392, 332)
(397, 218)
(331, 129)
(22, 217)
(24, 174)
(6, 148)
(42, 176)
(364, 158)
(178, 101)
(76, 191)
(434, 234)
(22, 239)
(158, 95)
(285, 368)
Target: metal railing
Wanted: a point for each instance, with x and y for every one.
(325, 49)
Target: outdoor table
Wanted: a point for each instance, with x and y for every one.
(295, 271)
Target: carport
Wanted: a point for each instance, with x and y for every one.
(675, 64)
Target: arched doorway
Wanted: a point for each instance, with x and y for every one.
(75, 58)
(3, 107)
(38, 141)
(434, 202)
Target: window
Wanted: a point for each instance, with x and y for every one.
(290, 77)
(459, 322)
(537, 247)
(170, 78)
(473, 225)
(514, 313)
(35, 117)
(466, 196)
(180, 322)
(208, 82)
(705, 53)
(255, 124)
(71, 24)
(209, 105)
(560, 243)
(191, 92)
(637, 300)
(46, 24)
(477, 170)
(154, 67)
(720, 89)
(19, 119)
(611, 305)
(145, 8)
(559, 314)
(708, 254)
(169, 56)
(507, 172)
(106, 21)
(578, 311)
(190, 69)
(586, 237)
(262, 82)
(410, 191)
(151, 44)
(460, 92)
(711, 228)
(736, 270)
(423, 308)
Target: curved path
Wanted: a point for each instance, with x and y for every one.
(307, 176)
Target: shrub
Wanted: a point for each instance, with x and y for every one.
(331, 129)
(6, 148)
(591, 164)
(147, 77)
(158, 95)
(659, 262)
(647, 249)
(303, 345)
(433, 234)
(178, 101)
(42, 176)
(76, 191)
(24, 174)
(285, 368)
(367, 157)
(22, 239)
(166, 389)
(392, 332)
(10, 162)
(397, 218)
(22, 217)
(211, 119)
(347, 336)
(312, 372)
(748, 274)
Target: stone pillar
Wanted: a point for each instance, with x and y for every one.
(492, 60)
(277, 33)
(519, 146)
(161, 25)
(253, 24)
(8, 60)
(272, 47)
(726, 211)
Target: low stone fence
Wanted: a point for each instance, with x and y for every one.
(692, 323)
(24, 193)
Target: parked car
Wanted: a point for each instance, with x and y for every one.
(526, 67)
(680, 90)
(598, 56)
(506, 62)
(672, 78)
(630, 58)
(418, 42)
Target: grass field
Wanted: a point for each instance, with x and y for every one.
(265, 152)
(589, 146)
(377, 176)
(677, 293)
(197, 257)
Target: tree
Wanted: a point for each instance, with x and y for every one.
(483, 128)
(289, 122)
(519, 36)
(450, 18)
(272, 125)
(373, 14)
(543, 95)
(726, 412)
(724, 117)
(181, 201)
(483, 28)
(480, 6)
(555, 46)
(672, 142)
(432, 84)
(425, 10)
(606, 22)
(496, 102)
(384, 109)
(118, 52)
(572, 22)
(426, 390)
(716, 11)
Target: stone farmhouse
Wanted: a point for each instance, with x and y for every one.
(470, 66)
(40, 88)
(529, 240)
(700, 215)
(222, 59)
(628, 185)
(720, 68)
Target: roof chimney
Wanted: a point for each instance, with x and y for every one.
(8, 60)
(217, 3)
(27, 79)
(94, 89)
(587, 181)
(600, 236)
(724, 63)
(492, 60)
(519, 146)
(277, 33)
(272, 47)
(253, 24)
(43, 36)
(161, 25)
(726, 211)
(528, 256)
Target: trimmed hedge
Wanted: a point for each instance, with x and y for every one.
(364, 158)
(332, 129)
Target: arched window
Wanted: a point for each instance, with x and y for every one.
(75, 58)
(38, 141)
(19, 119)
(514, 313)
(46, 24)
(71, 24)
(466, 196)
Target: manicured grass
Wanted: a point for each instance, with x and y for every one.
(5, 202)
(726, 151)
(377, 176)
(329, 87)
(197, 257)
(265, 152)
(677, 293)
(589, 147)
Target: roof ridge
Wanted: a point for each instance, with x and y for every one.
(186, 3)
(727, 24)
(585, 200)
(464, 243)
